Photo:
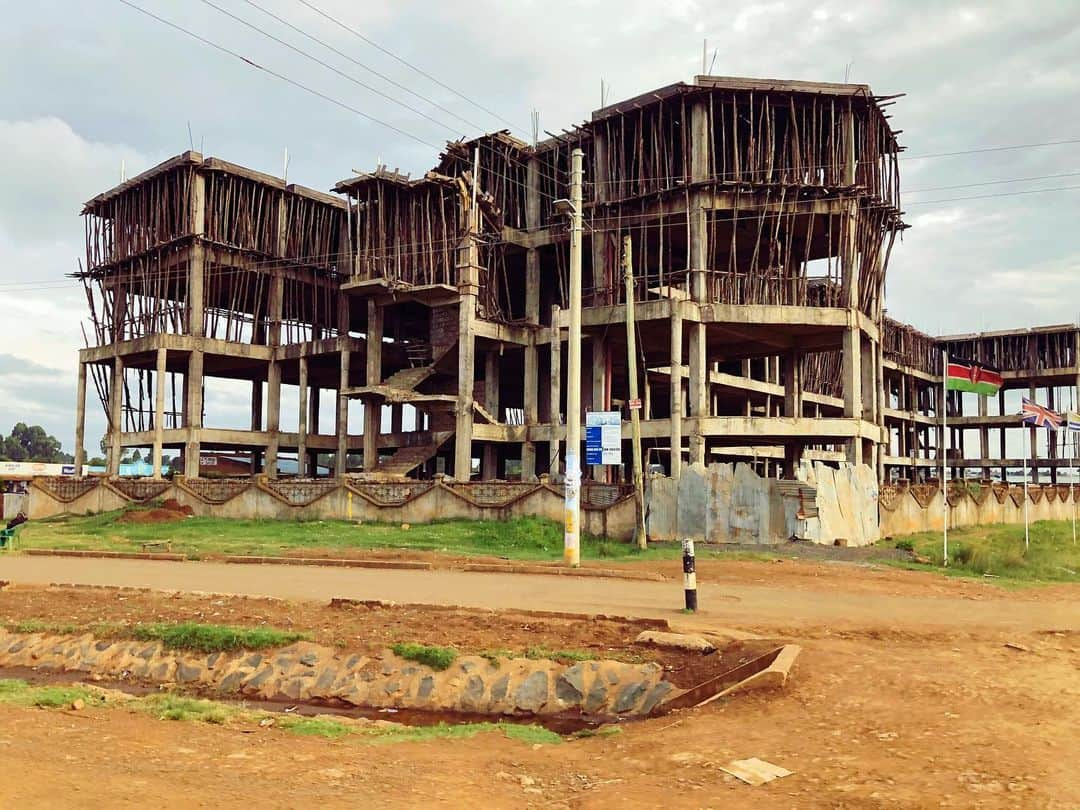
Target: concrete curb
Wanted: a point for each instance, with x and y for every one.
(108, 555)
(331, 562)
(610, 573)
(769, 671)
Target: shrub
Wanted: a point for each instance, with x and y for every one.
(438, 658)
(209, 638)
(961, 553)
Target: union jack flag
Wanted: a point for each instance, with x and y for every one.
(1036, 415)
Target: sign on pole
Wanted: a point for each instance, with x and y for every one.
(603, 438)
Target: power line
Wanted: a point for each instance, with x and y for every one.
(408, 64)
(990, 149)
(277, 75)
(356, 62)
(994, 182)
(328, 66)
(1001, 194)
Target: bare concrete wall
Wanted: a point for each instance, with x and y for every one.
(730, 503)
(847, 503)
(13, 504)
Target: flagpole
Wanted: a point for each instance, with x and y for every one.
(1071, 486)
(944, 458)
(1027, 537)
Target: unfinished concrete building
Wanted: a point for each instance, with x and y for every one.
(761, 216)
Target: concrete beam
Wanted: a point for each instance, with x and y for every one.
(159, 409)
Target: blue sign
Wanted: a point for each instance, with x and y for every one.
(594, 444)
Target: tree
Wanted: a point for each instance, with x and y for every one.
(136, 456)
(32, 443)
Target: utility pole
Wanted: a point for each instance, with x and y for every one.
(635, 402)
(572, 535)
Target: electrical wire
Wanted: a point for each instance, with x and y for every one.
(388, 79)
(328, 66)
(277, 75)
(408, 64)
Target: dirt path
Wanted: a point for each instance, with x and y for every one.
(865, 723)
(765, 595)
(905, 696)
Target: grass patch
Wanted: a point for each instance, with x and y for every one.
(999, 551)
(171, 706)
(17, 692)
(559, 655)
(603, 731)
(209, 638)
(531, 735)
(438, 658)
(526, 538)
(315, 727)
(166, 706)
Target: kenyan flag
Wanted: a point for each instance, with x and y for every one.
(964, 375)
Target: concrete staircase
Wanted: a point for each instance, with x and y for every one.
(485, 414)
(406, 459)
(408, 378)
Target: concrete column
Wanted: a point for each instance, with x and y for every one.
(314, 405)
(196, 270)
(489, 463)
(793, 384)
(880, 404)
(1051, 438)
(373, 376)
(469, 284)
(256, 404)
(599, 393)
(302, 422)
(852, 341)
(1033, 443)
(80, 420)
(747, 373)
(116, 415)
(273, 417)
(556, 387)
(1002, 432)
(791, 368)
(159, 409)
(852, 381)
(397, 418)
(984, 437)
(531, 372)
(193, 424)
(697, 267)
(675, 364)
(698, 389)
(341, 425)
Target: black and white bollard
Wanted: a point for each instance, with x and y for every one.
(689, 575)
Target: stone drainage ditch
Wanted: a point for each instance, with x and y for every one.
(312, 679)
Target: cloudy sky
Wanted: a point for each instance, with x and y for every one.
(89, 87)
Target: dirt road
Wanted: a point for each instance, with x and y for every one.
(765, 594)
(906, 695)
